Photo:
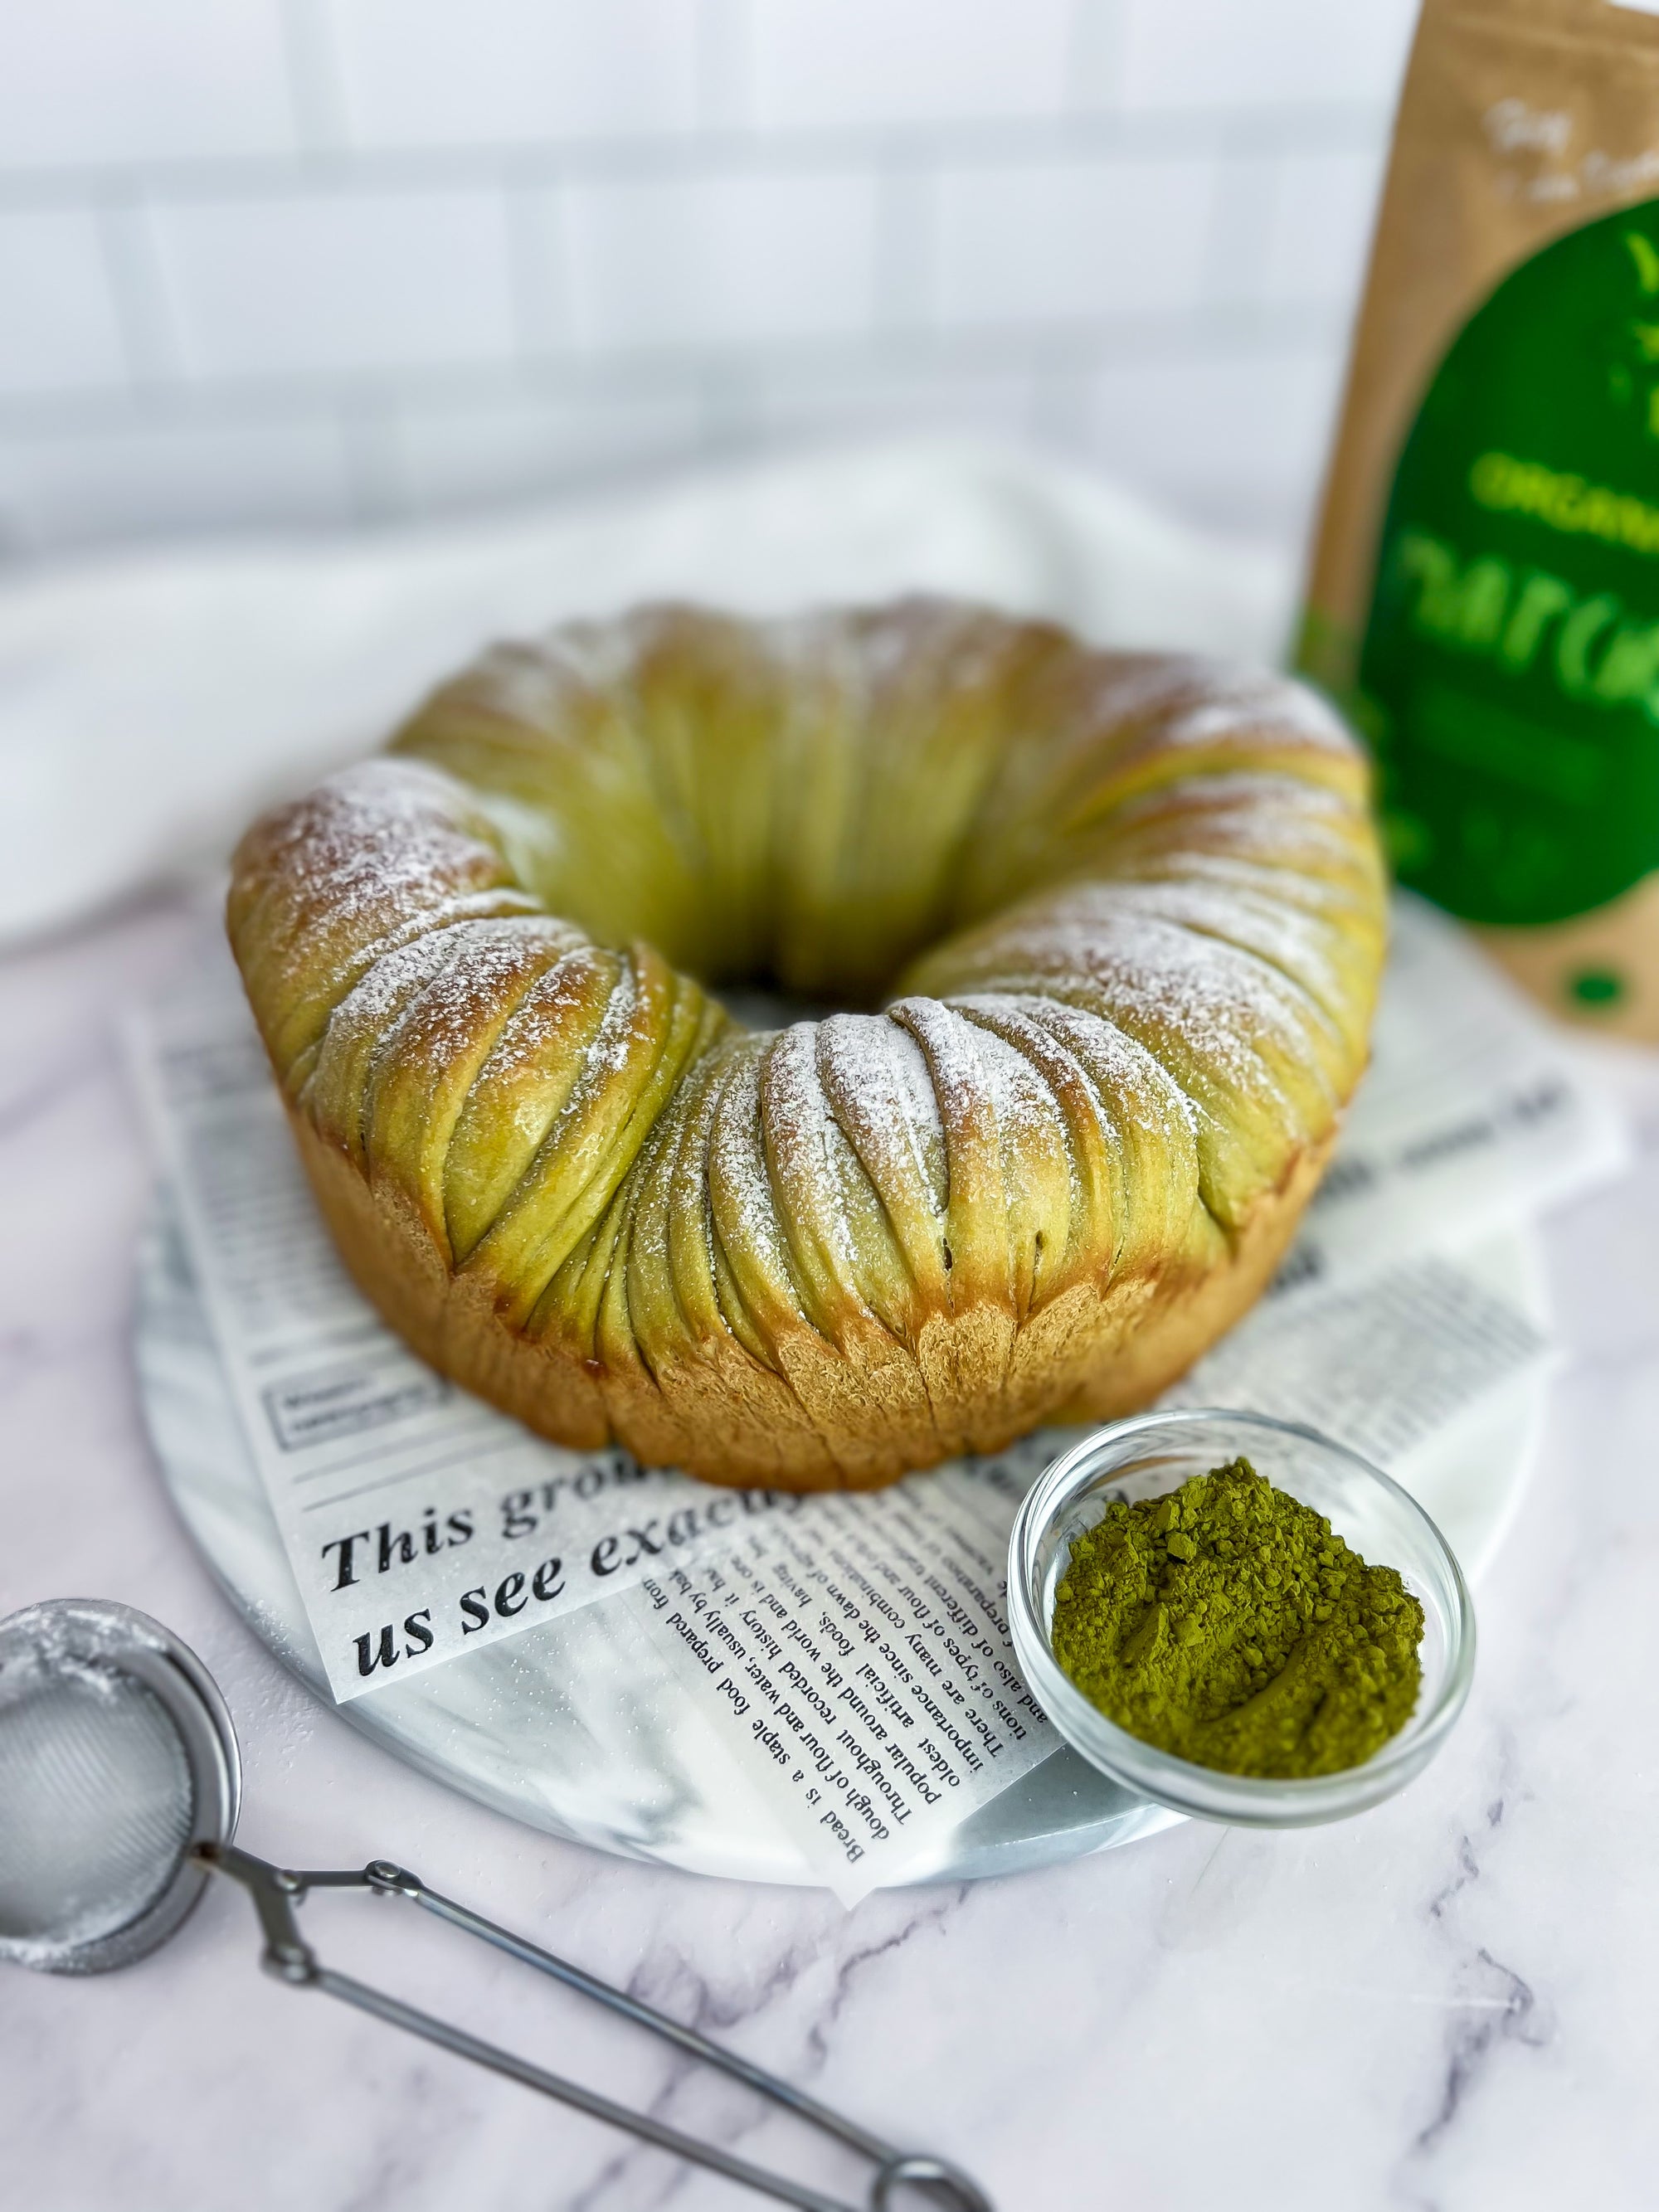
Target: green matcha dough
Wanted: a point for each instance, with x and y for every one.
(1226, 1623)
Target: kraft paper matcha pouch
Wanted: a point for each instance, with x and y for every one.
(1484, 597)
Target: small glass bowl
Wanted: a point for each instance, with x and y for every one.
(1151, 1453)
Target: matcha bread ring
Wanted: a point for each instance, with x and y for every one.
(1109, 926)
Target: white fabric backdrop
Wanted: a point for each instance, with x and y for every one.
(150, 704)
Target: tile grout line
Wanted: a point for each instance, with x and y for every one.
(150, 335)
(1080, 346)
(1314, 128)
(315, 83)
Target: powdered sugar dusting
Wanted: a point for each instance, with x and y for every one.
(876, 1080)
(1197, 970)
(1295, 942)
(743, 1204)
(1245, 704)
(1090, 942)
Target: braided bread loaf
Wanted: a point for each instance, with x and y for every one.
(1119, 921)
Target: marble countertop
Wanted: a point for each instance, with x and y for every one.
(1445, 2004)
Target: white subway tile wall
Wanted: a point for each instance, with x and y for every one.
(62, 330)
(514, 446)
(417, 73)
(850, 64)
(279, 262)
(98, 84)
(1201, 54)
(1050, 244)
(318, 284)
(717, 264)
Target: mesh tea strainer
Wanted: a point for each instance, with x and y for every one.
(119, 1787)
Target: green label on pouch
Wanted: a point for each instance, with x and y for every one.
(1509, 674)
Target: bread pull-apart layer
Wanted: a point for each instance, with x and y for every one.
(1108, 927)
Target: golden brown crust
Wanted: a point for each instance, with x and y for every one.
(1117, 1352)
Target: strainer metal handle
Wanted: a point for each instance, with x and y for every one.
(143, 1757)
(277, 1891)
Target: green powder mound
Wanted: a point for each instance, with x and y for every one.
(1226, 1623)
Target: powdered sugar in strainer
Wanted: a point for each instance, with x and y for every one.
(119, 1787)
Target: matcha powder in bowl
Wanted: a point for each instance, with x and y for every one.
(1227, 1623)
(1238, 1618)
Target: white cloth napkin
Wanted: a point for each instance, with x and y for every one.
(151, 703)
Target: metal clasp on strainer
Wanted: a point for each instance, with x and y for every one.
(119, 1790)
